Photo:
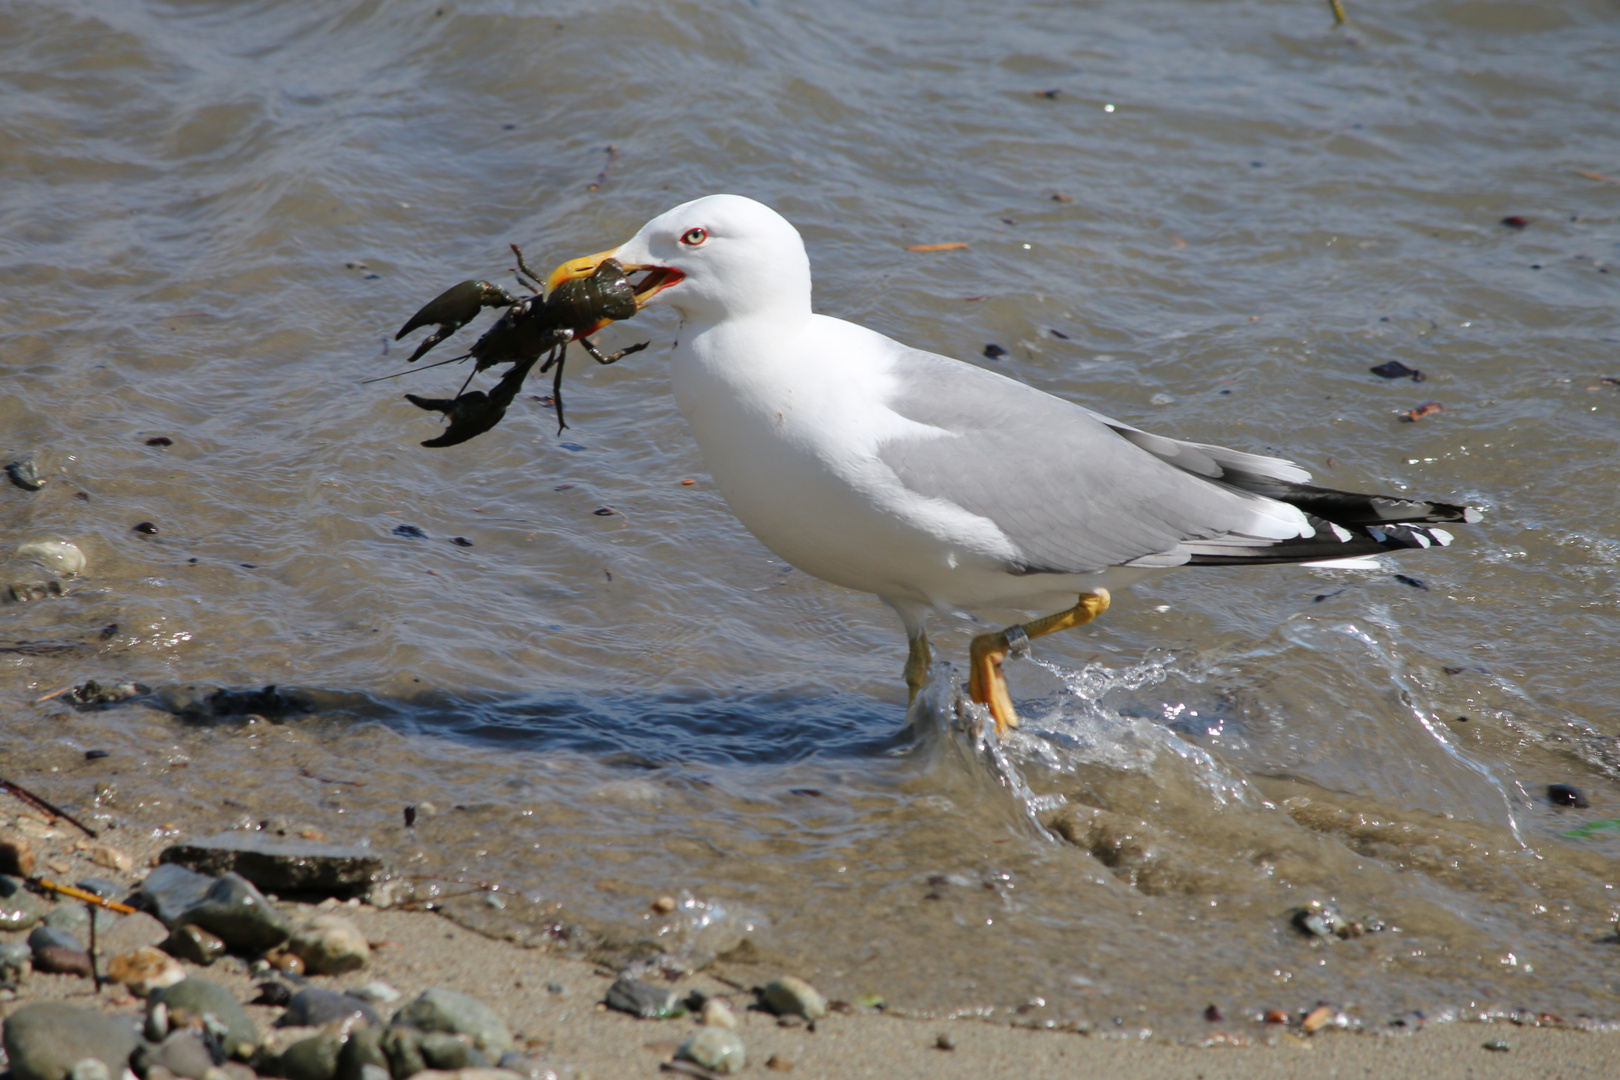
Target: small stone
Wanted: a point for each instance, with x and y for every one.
(330, 945)
(273, 993)
(1566, 795)
(316, 1007)
(16, 961)
(791, 996)
(779, 1063)
(57, 556)
(200, 998)
(169, 890)
(182, 1053)
(288, 963)
(1276, 1016)
(1500, 1046)
(25, 474)
(45, 1041)
(945, 1041)
(1214, 1015)
(643, 999)
(240, 915)
(16, 856)
(194, 944)
(53, 937)
(19, 909)
(1317, 1018)
(89, 1069)
(145, 970)
(717, 1014)
(664, 905)
(315, 1058)
(112, 858)
(362, 1051)
(75, 919)
(716, 1049)
(438, 1009)
(376, 992)
(107, 890)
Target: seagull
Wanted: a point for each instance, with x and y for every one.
(938, 485)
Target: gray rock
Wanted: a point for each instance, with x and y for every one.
(240, 915)
(643, 999)
(363, 1050)
(376, 992)
(100, 886)
(89, 1069)
(168, 891)
(182, 1052)
(315, 1058)
(438, 1009)
(715, 1049)
(401, 1045)
(201, 998)
(45, 1041)
(76, 920)
(790, 996)
(315, 1007)
(51, 937)
(16, 961)
(330, 945)
(442, 1050)
(368, 1071)
(195, 944)
(282, 866)
(19, 909)
(55, 960)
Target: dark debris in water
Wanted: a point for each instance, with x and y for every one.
(413, 531)
(1412, 581)
(23, 474)
(994, 352)
(1394, 369)
(1566, 795)
(92, 694)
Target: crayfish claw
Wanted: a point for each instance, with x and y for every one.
(454, 308)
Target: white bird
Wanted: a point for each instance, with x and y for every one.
(936, 484)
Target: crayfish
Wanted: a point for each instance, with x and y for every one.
(533, 329)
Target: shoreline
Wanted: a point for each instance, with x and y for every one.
(552, 1002)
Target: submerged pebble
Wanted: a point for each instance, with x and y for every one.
(57, 556)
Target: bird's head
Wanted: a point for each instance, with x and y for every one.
(712, 259)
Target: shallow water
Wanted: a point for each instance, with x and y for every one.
(216, 215)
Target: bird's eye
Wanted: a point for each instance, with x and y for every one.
(694, 237)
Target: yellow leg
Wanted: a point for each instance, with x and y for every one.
(917, 660)
(987, 685)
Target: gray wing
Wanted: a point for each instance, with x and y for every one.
(1073, 490)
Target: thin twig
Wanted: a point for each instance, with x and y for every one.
(601, 177)
(1339, 18)
(95, 974)
(53, 694)
(81, 894)
(40, 804)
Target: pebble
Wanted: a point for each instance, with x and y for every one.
(1567, 795)
(53, 937)
(779, 1063)
(376, 992)
(45, 1041)
(89, 1069)
(315, 1058)
(791, 996)
(716, 1049)
(54, 960)
(112, 858)
(16, 855)
(75, 919)
(25, 474)
(317, 1007)
(241, 916)
(287, 963)
(169, 890)
(330, 945)
(717, 1014)
(182, 1052)
(145, 970)
(194, 944)
(643, 999)
(441, 1010)
(57, 556)
(945, 1041)
(18, 909)
(200, 997)
(107, 890)
(16, 961)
